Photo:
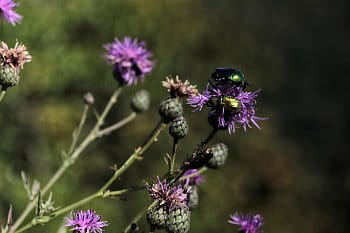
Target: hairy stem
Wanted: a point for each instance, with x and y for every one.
(70, 161)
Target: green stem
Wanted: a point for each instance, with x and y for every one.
(67, 163)
(136, 155)
(179, 176)
(207, 140)
(2, 94)
(173, 157)
(40, 220)
(103, 192)
(116, 126)
(77, 132)
(139, 216)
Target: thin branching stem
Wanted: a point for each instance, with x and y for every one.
(77, 132)
(109, 129)
(103, 192)
(135, 156)
(71, 159)
(62, 211)
(179, 176)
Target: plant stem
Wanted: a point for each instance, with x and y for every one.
(77, 132)
(116, 126)
(71, 207)
(173, 157)
(136, 155)
(139, 216)
(2, 94)
(207, 140)
(103, 192)
(68, 162)
(179, 176)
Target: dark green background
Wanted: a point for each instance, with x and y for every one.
(294, 171)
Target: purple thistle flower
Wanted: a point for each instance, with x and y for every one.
(8, 13)
(131, 60)
(221, 112)
(171, 197)
(86, 222)
(195, 179)
(248, 223)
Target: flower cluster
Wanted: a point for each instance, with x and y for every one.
(248, 223)
(230, 106)
(169, 196)
(8, 13)
(86, 222)
(15, 57)
(178, 88)
(131, 60)
(11, 62)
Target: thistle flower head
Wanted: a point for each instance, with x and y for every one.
(8, 13)
(169, 196)
(131, 60)
(178, 88)
(86, 222)
(15, 57)
(248, 223)
(194, 178)
(230, 106)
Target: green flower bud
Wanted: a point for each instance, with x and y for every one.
(170, 109)
(141, 101)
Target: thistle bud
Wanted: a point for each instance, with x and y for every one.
(193, 198)
(9, 76)
(11, 62)
(156, 217)
(220, 153)
(141, 101)
(178, 128)
(89, 98)
(178, 220)
(170, 109)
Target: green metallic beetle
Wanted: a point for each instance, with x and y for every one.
(229, 76)
(230, 103)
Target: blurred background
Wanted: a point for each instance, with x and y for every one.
(294, 171)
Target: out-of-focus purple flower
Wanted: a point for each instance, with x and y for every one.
(221, 98)
(194, 177)
(171, 197)
(86, 222)
(131, 60)
(248, 223)
(7, 11)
